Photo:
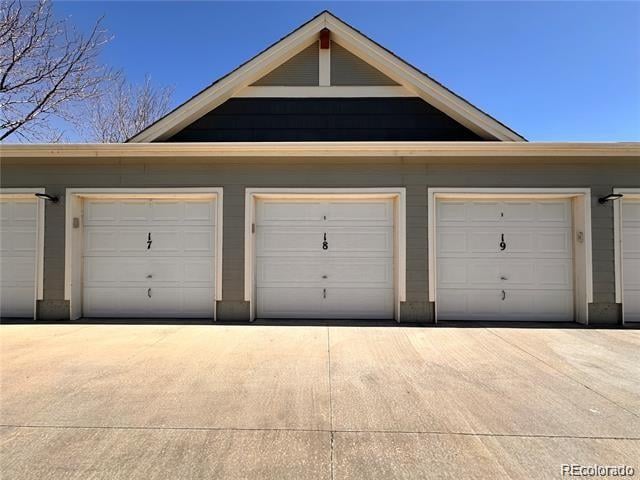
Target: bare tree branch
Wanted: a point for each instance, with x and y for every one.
(47, 70)
(125, 109)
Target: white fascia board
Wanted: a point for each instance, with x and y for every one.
(493, 150)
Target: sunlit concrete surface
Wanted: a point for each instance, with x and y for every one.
(211, 401)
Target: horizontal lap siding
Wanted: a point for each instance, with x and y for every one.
(601, 175)
(349, 69)
(302, 70)
(323, 119)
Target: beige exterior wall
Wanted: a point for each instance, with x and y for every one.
(416, 174)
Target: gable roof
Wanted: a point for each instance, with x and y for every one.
(348, 37)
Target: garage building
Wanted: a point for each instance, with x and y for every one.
(325, 178)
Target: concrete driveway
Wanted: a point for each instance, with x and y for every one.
(209, 401)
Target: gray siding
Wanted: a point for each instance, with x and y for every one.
(302, 70)
(348, 69)
(324, 119)
(416, 174)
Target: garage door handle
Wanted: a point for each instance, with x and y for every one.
(504, 295)
(149, 292)
(324, 293)
(502, 244)
(149, 242)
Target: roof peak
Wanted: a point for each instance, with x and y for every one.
(357, 43)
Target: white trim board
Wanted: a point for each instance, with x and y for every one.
(73, 237)
(398, 70)
(40, 219)
(581, 218)
(324, 66)
(400, 243)
(493, 150)
(633, 193)
(324, 92)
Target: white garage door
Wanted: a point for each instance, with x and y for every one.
(631, 259)
(18, 240)
(324, 259)
(149, 258)
(504, 260)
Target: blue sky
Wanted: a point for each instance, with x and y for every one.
(553, 71)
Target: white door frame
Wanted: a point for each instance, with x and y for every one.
(581, 222)
(74, 236)
(398, 194)
(629, 193)
(39, 274)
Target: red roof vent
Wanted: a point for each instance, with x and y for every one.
(325, 36)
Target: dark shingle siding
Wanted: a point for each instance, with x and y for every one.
(324, 119)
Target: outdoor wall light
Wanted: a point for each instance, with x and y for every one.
(47, 197)
(611, 196)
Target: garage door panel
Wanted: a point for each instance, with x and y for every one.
(536, 274)
(451, 212)
(114, 301)
(296, 271)
(289, 213)
(519, 274)
(281, 271)
(289, 240)
(631, 274)
(540, 305)
(297, 278)
(370, 241)
(116, 212)
(463, 272)
(471, 242)
(166, 212)
(451, 241)
(538, 213)
(631, 213)
(149, 212)
(466, 305)
(16, 301)
(18, 241)
(125, 275)
(133, 241)
(531, 279)
(18, 212)
(483, 212)
(289, 302)
(286, 240)
(518, 305)
(130, 271)
(18, 253)
(631, 241)
(135, 302)
(374, 272)
(16, 271)
(374, 303)
(200, 212)
(630, 210)
(553, 212)
(360, 213)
